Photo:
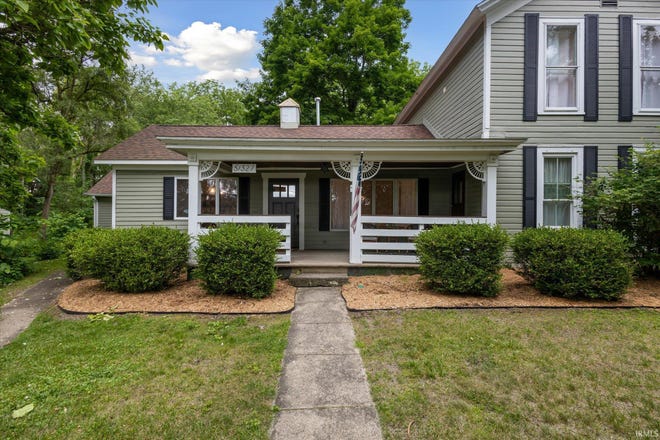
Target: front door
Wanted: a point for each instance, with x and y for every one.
(283, 200)
(458, 194)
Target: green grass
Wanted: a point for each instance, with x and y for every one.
(41, 270)
(135, 377)
(493, 374)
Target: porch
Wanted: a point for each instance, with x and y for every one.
(306, 188)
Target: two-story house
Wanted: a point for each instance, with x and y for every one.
(528, 98)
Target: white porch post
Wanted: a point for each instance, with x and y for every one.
(491, 191)
(355, 255)
(193, 200)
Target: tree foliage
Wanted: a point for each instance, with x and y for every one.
(628, 201)
(195, 103)
(45, 49)
(350, 53)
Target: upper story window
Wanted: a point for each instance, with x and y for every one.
(646, 48)
(561, 62)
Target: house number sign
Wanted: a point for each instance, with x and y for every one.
(244, 168)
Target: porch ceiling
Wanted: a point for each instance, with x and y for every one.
(296, 150)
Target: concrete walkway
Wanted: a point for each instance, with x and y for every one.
(323, 392)
(18, 314)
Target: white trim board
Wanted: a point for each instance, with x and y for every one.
(265, 177)
(114, 199)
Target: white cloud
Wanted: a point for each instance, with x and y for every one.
(173, 62)
(224, 54)
(145, 60)
(231, 75)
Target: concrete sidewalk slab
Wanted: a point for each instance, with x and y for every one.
(323, 391)
(312, 381)
(18, 314)
(335, 338)
(320, 313)
(359, 423)
(315, 294)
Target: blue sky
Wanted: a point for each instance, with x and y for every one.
(219, 39)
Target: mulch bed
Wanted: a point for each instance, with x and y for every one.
(88, 296)
(409, 292)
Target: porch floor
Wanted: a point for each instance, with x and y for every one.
(332, 258)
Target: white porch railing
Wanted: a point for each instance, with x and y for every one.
(387, 239)
(281, 223)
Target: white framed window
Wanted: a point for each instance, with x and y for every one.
(561, 66)
(219, 196)
(180, 198)
(559, 180)
(646, 66)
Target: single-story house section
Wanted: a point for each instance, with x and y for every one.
(102, 195)
(299, 178)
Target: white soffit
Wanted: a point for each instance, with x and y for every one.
(495, 10)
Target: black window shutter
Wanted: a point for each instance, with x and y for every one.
(423, 196)
(591, 68)
(243, 196)
(590, 162)
(625, 68)
(624, 156)
(530, 87)
(590, 171)
(529, 187)
(168, 198)
(324, 204)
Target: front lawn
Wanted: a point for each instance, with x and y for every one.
(513, 374)
(134, 377)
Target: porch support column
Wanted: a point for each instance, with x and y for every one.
(491, 191)
(193, 201)
(355, 255)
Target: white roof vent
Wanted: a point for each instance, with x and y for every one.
(289, 114)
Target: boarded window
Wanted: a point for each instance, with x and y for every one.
(340, 204)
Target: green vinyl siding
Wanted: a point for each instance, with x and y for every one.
(454, 109)
(104, 212)
(507, 97)
(139, 196)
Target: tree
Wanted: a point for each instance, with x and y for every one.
(195, 103)
(47, 44)
(628, 201)
(349, 53)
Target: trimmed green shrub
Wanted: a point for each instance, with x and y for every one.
(574, 262)
(81, 249)
(462, 258)
(129, 260)
(142, 259)
(239, 259)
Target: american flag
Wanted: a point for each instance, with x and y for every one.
(357, 197)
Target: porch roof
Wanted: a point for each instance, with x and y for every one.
(296, 149)
(169, 144)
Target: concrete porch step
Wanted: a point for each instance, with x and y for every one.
(319, 279)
